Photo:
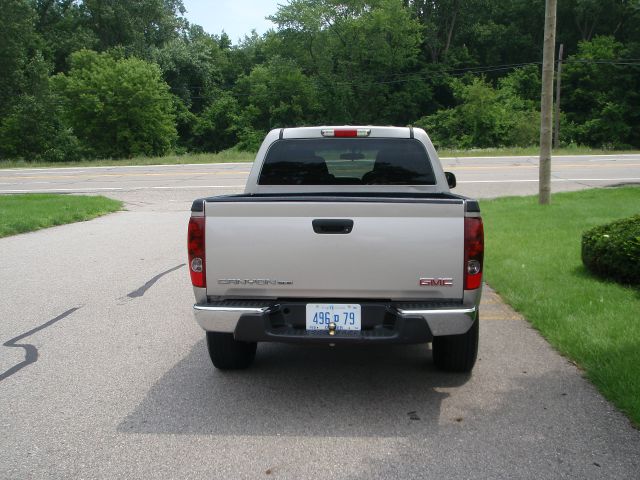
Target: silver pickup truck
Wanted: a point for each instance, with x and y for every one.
(343, 235)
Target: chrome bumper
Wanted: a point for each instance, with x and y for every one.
(441, 321)
(223, 319)
(445, 321)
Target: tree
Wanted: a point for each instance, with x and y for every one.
(602, 95)
(192, 65)
(358, 51)
(485, 117)
(277, 94)
(135, 25)
(34, 130)
(440, 19)
(19, 43)
(63, 27)
(217, 127)
(118, 107)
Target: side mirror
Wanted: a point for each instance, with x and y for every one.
(451, 179)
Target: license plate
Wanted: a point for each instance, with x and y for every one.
(345, 316)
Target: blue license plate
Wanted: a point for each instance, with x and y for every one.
(344, 316)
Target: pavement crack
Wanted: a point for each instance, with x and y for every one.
(143, 289)
(31, 352)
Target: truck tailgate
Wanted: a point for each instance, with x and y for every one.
(270, 249)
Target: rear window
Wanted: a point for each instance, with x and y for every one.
(347, 161)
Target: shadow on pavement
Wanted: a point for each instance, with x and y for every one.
(295, 390)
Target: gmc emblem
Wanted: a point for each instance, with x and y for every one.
(436, 282)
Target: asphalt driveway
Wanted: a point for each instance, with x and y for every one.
(104, 374)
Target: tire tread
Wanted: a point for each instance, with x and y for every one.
(226, 353)
(457, 353)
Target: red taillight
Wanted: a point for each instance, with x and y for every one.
(195, 248)
(346, 132)
(473, 252)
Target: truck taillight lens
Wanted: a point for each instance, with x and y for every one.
(473, 252)
(195, 248)
(345, 133)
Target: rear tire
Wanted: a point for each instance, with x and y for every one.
(457, 353)
(229, 354)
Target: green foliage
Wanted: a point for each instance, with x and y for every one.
(602, 98)
(277, 94)
(328, 61)
(34, 130)
(33, 127)
(353, 49)
(485, 116)
(117, 107)
(18, 42)
(64, 28)
(613, 250)
(192, 65)
(217, 126)
(134, 24)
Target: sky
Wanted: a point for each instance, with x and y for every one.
(236, 17)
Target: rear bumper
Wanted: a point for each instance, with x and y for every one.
(382, 322)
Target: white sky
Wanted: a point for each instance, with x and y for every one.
(236, 17)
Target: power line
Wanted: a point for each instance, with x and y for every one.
(454, 72)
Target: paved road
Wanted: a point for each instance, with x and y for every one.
(479, 177)
(104, 374)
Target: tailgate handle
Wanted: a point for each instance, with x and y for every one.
(332, 226)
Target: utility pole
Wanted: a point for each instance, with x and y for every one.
(556, 131)
(546, 113)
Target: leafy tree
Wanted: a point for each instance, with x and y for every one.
(216, 128)
(19, 43)
(602, 96)
(62, 25)
(328, 61)
(485, 117)
(192, 65)
(118, 107)
(34, 130)
(602, 17)
(277, 94)
(134, 24)
(440, 20)
(357, 50)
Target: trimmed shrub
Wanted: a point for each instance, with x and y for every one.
(613, 250)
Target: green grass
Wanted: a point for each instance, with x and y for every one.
(527, 151)
(533, 261)
(226, 156)
(26, 213)
(235, 156)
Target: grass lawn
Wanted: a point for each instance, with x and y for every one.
(25, 213)
(527, 151)
(533, 261)
(227, 156)
(235, 156)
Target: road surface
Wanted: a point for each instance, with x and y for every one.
(104, 373)
(477, 177)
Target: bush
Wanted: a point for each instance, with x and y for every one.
(485, 117)
(117, 107)
(613, 250)
(34, 131)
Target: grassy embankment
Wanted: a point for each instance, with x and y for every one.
(236, 156)
(25, 213)
(533, 261)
